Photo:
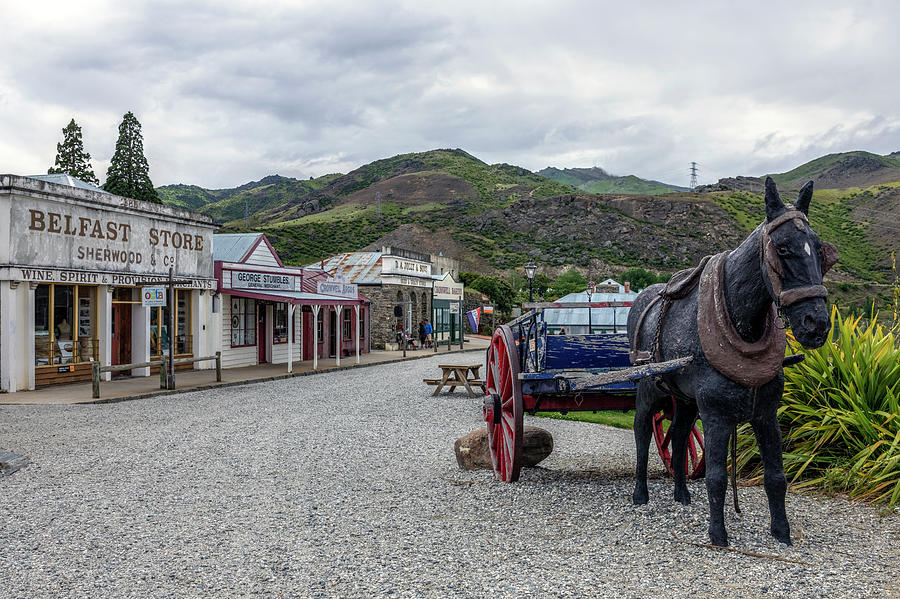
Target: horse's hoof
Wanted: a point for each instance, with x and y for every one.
(783, 536)
(683, 499)
(640, 498)
(717, 539)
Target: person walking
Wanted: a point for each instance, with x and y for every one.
(422, 333)
(429, 330)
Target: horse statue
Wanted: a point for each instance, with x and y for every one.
(725, 315)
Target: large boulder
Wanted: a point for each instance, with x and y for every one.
(472, 451)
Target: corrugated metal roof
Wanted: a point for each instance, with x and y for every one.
(231, 247)
(575, 320)
(64, 179)
(362, 268)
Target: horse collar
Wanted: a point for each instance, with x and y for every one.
(750, 364)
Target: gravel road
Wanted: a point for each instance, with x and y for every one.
(345, 485)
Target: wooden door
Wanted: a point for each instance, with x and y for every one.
(120, 341)
(332, 333)
(307, 336)
(261, 343)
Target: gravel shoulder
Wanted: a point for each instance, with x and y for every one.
(345, 484)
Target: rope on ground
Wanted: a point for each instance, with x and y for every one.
(750, 553)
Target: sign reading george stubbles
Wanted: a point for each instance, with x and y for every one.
(108, 233)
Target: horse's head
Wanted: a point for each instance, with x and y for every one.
(794, 260)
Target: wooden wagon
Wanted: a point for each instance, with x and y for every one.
(529, 370)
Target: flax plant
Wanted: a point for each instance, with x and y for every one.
(840, 415)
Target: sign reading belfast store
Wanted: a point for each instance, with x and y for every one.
(72, 262)
(91, 240)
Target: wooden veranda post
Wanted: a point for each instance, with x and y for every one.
(315, 310)
(339, 334)
(170, 380)
(358, 332)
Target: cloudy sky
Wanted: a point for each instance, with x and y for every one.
(229, 91)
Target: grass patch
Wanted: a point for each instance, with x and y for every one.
(609, 418)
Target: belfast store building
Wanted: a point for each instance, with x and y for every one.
(73, 260)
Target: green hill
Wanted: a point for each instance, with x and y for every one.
(596, 180)
(498, 217)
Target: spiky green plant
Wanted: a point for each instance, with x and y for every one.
(840, 414)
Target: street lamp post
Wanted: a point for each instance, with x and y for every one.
(530, 268)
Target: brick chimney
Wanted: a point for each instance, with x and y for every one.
(627, 286)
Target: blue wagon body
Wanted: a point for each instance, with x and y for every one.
(529, 370)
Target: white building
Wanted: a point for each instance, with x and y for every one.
(73, 259)
(575, 321)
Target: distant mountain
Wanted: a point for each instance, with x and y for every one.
(225, 205)
(597, 180)
(834, 171)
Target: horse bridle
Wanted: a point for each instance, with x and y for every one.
(771, 264)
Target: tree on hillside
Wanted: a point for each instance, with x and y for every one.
(129, 174)
(501, 293)
(71, 159)
(568, 282)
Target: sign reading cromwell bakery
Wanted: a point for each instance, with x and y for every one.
(89, 231)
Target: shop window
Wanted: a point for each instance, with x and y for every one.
(243, 322)
(183, 344)
(347, 324)
(159, 326)
(320, 331)
(64, 324)
(280, 326)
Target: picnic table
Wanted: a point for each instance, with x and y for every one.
(457, 375)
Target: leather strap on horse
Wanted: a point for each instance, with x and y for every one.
(771, 264)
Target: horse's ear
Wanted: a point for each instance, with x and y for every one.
(803, 199)
(774, 205)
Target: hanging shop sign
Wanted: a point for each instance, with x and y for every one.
(241, 279)
(454, 307)
(337, 287)
(153, 297)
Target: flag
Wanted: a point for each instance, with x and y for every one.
(474, 317)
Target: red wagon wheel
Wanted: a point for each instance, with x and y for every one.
(695, 461)
(503, 411)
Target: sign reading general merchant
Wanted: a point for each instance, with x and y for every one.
(85, 230)
(260, 280)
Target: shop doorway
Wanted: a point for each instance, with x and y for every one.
(120, 341)
(307, 336)
(261, 333)
(332, 333)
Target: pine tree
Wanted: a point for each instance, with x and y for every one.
(129, 174)
(71, 159)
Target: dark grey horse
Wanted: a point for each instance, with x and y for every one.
(779, 266)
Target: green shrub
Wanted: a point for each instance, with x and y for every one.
(840, 414)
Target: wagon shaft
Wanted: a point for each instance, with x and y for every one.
(629, 374)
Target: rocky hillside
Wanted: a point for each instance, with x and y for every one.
(497, 217)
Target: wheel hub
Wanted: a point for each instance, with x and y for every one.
(492, 409)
